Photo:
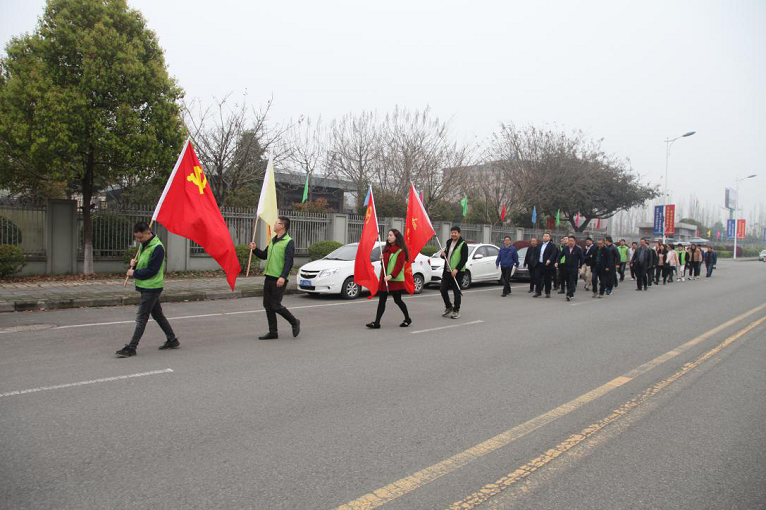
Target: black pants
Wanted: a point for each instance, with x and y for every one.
(505, 275)
(649, 275)
(272, 303)
(571, 280)
(599, 280)
(695, 269)
(561, 279)
(622, 270)
(642, 279)
(632, 272)
(544, 278)
(615, 276)
(150, 305)
(532, 278)
(666, 273)
(657, 273)
(709, 268)
(448, 283)
(383, 296)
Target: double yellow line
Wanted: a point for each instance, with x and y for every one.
(413, 482)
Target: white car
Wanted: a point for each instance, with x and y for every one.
(762, 255)
(479, 268)
(334, 274)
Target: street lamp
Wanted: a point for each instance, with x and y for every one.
(736, 208)
(668, 143)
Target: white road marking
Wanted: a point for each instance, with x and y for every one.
(445, 327)
(83, 383)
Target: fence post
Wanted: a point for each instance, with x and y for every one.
(486, 234)
(177, 252)
(61, 237)
(520, 234)
(397, 223)
(444, 231)
(338, 228)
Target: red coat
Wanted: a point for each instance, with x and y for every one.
(398, 268)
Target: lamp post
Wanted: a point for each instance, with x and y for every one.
(736, 208)
(668, 143)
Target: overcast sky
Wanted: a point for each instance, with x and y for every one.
(633, 73)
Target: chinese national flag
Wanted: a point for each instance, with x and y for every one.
(502, 214)
(417, 232)
(364, 273)
(188, 208)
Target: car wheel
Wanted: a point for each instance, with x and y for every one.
(419, 283)
(466, 280)
(350, 289)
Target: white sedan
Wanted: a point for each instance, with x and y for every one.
(479, 268)
(334, 274)
(762, 255)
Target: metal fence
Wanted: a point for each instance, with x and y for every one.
(355, 226)
(22, 224)
(499, 232)
(472, 233)
(240, 224)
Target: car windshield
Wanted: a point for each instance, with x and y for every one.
(348, 252)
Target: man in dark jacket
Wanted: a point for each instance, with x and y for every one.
(561, 277)
(602, 263)
(711, 259)
(654, 259)
(615, 262)
(571, 258)
(545, 270)
(588, 256)
(531, 261)
(640, 263)
(507, 259)
(455, 256)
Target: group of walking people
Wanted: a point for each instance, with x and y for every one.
(669, 262)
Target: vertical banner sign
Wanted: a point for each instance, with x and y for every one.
(730, 229)
(740, 229)
(550, 223)
(764, 236)
(658, 219)
(670, 219)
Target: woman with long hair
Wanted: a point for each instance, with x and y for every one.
(671, 264)
(393, 259)
(695, 257)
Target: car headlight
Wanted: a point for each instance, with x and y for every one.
(328, 272)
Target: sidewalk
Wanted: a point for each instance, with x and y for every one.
(51, 295)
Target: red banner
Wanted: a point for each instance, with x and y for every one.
(740, 229)
(670, 220)
(550, 223)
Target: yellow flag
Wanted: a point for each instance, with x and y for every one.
(267, 204)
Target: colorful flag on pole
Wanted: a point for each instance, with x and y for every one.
(558, 217)
(364, 272)
(464, 203)
(188, 208)
(502, 213)
(718, 235)
(306, 189)
(708, 233)
(534, 215)
(577, 220)
(598, 225)
(417, 232)
(367, 197)
(267, 203)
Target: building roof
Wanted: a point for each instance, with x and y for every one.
(316, 181)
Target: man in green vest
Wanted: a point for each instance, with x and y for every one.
(149, 274)
(455, 256)
(279, 256)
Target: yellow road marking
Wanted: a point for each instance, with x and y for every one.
(413, 482)
(530, 467)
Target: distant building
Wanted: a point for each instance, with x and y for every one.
(335, 191)
(684, 232)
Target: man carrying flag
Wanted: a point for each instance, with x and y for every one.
(455, 256)
(364, 272)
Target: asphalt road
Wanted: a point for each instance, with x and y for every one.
(638, 400)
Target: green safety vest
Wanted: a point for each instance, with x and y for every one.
(275, 257)
(682, 257)
(563, 259)
(144, 255)
(455, 258)
(392, 265)
(623, 253)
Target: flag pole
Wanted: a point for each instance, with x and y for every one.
(250, 257)
(138, 250)
(381, 262)
(457, 285)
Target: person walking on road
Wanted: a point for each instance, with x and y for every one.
(393, 259)
(671, 263)
(641, 264)
(279, 255)
(602, 262)
(455, 255)
(560, 280)
(682, 261)
(623, 249)
(531, 262)
(631, 252)
(545, 269)
(507, 259)
(149, 274)
(587, 266)
(711, 259)
(615, 262)
(659, 269)
(652, 264)
(570, 262)
(695, 257)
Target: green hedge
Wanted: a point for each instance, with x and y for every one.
(429, 251)
(724, 254)
(12, 260)
(322, 249)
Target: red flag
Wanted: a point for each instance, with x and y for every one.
(188, 208)
(502, 214)
(364, 273)
(417, 232)
(598, 225)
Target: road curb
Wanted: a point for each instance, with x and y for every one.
(27, 305)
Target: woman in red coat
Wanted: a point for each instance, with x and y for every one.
(394, 258)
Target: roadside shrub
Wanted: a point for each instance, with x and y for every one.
(10, 233)
(428, 251)
(322, 249)
(751, 252)
(243, 254)
(725, 254)
(12, 260)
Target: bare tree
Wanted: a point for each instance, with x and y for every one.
(353, 150)
(305, 145)
(232, 141)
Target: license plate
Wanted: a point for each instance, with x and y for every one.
(305, 283)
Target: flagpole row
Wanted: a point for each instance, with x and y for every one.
(449, 268)
(250, 257)
(125, 283)
(382, 264)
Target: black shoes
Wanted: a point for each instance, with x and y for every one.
(562, 292)
(405, 323)
(569, 298)
(170, 344)
(269, 336)
(503, 294)
(296, 328)
(537, 294)
(547, 295)
(530, 291)
(447, 312)
(126, 352)
(373, 325)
